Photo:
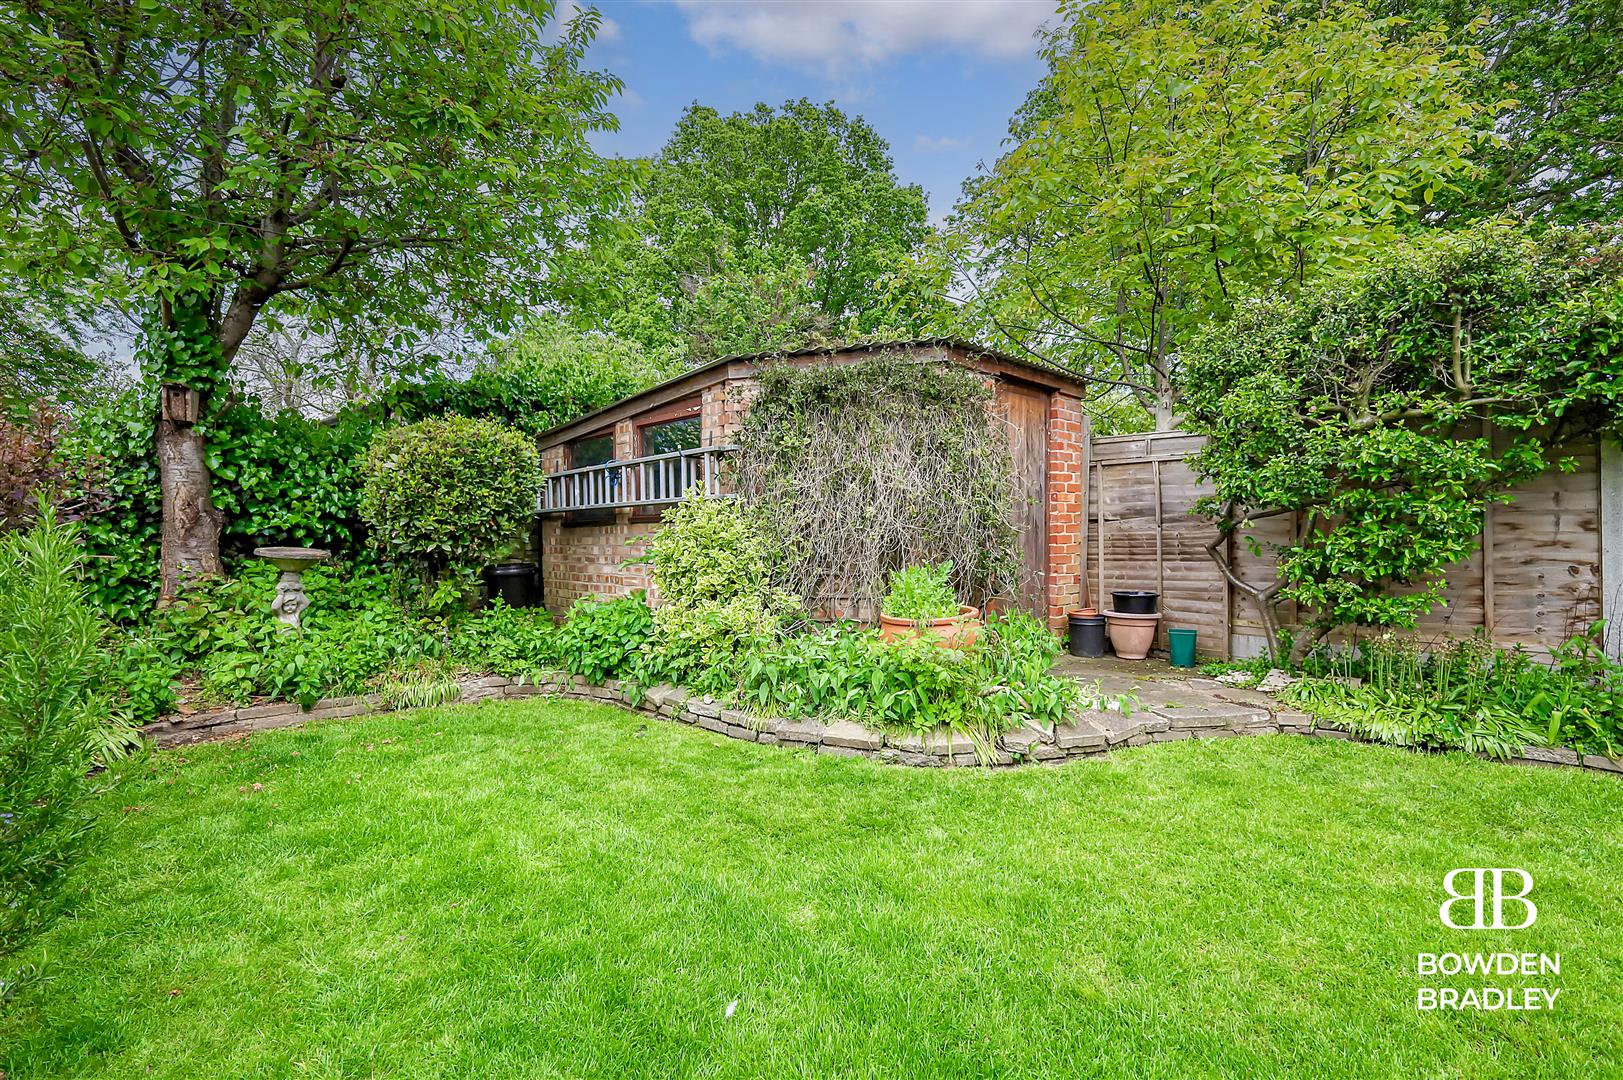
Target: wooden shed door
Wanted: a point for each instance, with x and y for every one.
(1027, 410)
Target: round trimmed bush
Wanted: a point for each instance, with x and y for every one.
(449, 492)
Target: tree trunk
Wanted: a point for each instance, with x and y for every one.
(191, 522)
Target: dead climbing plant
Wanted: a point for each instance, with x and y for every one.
(861, 469)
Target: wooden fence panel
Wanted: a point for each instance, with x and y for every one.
(1535, 579)
(1193, 592)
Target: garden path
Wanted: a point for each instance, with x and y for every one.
(1173, 694)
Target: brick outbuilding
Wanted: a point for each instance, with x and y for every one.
(611, 473)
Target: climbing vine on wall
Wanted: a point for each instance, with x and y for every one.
(865, 468)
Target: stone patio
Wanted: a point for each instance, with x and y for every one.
(1180, 696)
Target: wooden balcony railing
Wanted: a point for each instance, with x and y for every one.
(646, 481)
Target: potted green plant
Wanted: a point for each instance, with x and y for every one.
(921, 603)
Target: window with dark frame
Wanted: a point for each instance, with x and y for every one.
(666, 431)
(596, 449)
(669, 436)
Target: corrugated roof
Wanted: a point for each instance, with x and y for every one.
(822, 350)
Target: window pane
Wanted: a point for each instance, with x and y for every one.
(593, 451)
(671, 436)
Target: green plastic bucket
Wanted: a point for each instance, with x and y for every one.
(1182, 644)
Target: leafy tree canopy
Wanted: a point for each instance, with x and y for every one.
(253, 149)
(1365, 408)
(1558, 154)
(1178, 155)
(547, 375)
(755, 230)
(43, 331)
(337, 159)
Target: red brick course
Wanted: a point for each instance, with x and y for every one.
(1065, 506)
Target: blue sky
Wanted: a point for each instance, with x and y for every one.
(938, 79)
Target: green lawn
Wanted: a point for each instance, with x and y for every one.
(548, 889)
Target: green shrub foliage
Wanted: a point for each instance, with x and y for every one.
(515, 642)
(547, 375)
(861, 469)
(921, 593)
(449, 492)
(279, 480)
(1365, 410)
(996, 685)
(53, 722)
(1467, 695)
(222, 635)
(714, 572)
(604, 639)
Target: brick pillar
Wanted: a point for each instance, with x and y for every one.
(1065, 506)
(725, 407)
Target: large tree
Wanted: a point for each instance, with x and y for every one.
(755, 229)
(341, 160)
(1558, 147)
(1179, 154)
(1364, 409)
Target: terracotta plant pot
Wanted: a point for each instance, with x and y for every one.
(1131, 635)
(1082, 612)
(958, 632)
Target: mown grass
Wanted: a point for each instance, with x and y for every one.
(548, 889)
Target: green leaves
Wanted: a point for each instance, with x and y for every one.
(1179, 156)
(378, 172)
(1362, 406)
(998, 684)
(714, 569)
(53, 717)
(1464, 694)
(605, 638)
(284, 479)
(449, 493)
(543, 376)
(753, 231)
(921, 593)
(1554, 83)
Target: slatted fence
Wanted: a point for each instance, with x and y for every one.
(1536, 578)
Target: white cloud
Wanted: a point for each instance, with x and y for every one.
(837, 35)
(931, 143)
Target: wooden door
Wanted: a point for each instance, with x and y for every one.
(1027, 412)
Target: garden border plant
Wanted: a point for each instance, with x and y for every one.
(450, 492)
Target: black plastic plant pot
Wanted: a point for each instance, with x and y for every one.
(1135, 601)
(514, 583)
(1087, 637)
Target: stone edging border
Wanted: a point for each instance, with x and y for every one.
(1090, 733)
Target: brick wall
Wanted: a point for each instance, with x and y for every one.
(586, 560)
(1065, 506)
(723, 410)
